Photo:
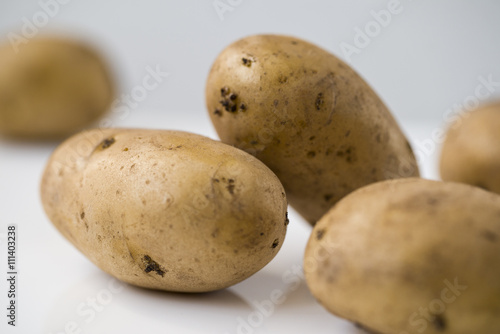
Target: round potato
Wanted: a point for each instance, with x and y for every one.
(410, 256)
(164, 209)
(51, 88)
(308, 116)
(471, 150)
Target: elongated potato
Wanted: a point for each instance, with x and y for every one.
(164, 209)
(471, 151)
(308, 116)
(51, 88)
(410, 256)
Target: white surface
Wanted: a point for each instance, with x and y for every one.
(56, 282)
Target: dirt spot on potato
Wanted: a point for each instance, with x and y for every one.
(82, 215)
(490, 236)
(439, 323)
(319, 101)
(282, 79)
(151, 265)
(320, 234)
(230, 187)
(247, 61)
(311, 154)
(349, 154)
(275, 244)
(327, 197)
(287, 221)
(218, 112)
(231, 101)
(105, 144)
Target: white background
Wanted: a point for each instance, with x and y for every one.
(425, 63)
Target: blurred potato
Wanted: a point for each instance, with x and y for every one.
(51, 88)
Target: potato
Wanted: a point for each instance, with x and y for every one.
(308, 116)
(164, 209)
(410, 256)
(471, 150)
(51, 88)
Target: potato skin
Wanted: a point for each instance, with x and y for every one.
(165, 210)
(51, 88)
(471, 150)
(308, 116)
(385, 255)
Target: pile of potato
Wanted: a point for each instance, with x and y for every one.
(177, 211)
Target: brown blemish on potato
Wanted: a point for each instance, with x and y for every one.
(218, 112)
(152, 266)
(439, 323)
(276, 102)
(230, 186)
(86, 226)
(243, 107)
(82, 215)
(125, 149)
(107, 143)
(174, 148)
(230, 100)
(490, 236)
(319, 101)
(261, 234)
(132, 166)
(275, 244)
(320, 234)
(347, 133)
(349, 154)
(311, 154)
(312, 137)
(327, 197)
(282, 79)
(247, 61)
(287, 221)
